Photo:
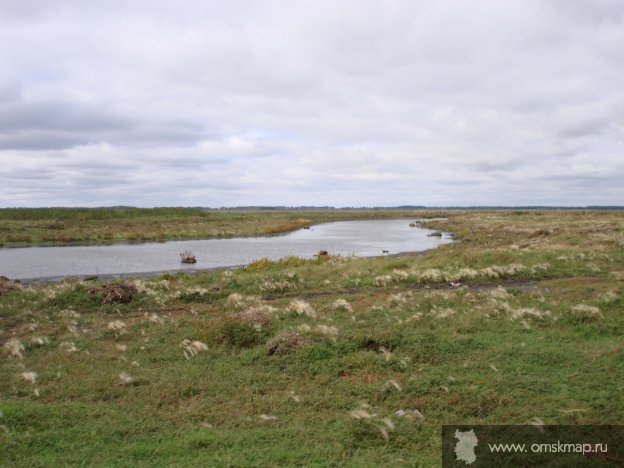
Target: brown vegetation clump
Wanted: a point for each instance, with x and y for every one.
(287, 343)
(256, 316)
(187, 257)
(116, 293)
(6, 285)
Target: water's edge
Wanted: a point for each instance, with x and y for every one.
(359, 245)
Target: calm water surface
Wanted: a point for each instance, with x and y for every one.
(360, 238)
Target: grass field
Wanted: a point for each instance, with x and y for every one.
(52, 226)
(331, 362)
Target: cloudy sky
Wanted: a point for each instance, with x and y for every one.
(343, 103)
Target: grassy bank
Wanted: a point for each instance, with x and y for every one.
(48, 226)
(334, 361)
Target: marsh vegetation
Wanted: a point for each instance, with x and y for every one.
(330, 360)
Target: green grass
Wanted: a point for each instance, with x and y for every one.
(473, 354)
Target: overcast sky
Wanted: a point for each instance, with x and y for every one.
(343, 103)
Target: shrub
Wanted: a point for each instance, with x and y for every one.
(233, 332)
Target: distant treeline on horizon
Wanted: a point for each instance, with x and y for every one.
(344, 208)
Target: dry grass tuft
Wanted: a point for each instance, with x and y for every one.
(528, 313)
(30, 377)
(239, 301)
(40, 341)
(499, 293)
(14, 348)
(392, 384)
(267, 417)
(301, 308)
(409, 414)
(342, 304)
(287, 343)
(127, 379)
(370, 420)
(68, 346)
(586, 312)
(117, 326)
(193, 348)
(115, 293)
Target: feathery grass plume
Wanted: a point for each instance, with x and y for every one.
(301, 308)
(69, 313)
(117, 325)
(341, 304)
(409, 414)
(383, 281)
(400, 275)
(15, 348)
(40, 341)
(467, 274)
(235, 300)
(414, 317)
(238, 301)
(296, 398)
(395, 300)
(277, 286)
(529, 313)
(431, 275)
(68, 346)
(539, 268)
(372, 421)
(386, 354)
(30, 376)
(617, 275)
(326, 330)
(154, 318)
(499, 293)
(360, 414)
(587, 312)
(267, 417)
(126, 379)
(609, 296)
(443, 312)
(538, 423)
(494, 368)
(390, 384)
(259, 316)
(192, 348)
(121, 347)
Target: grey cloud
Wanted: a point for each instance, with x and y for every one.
(353, 103)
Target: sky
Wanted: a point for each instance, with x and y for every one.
(340, 103)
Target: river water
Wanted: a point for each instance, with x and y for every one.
(359, 238)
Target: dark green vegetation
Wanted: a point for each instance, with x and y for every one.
(328, 362)
(45, 226)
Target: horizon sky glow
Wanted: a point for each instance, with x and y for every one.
(342, 103)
